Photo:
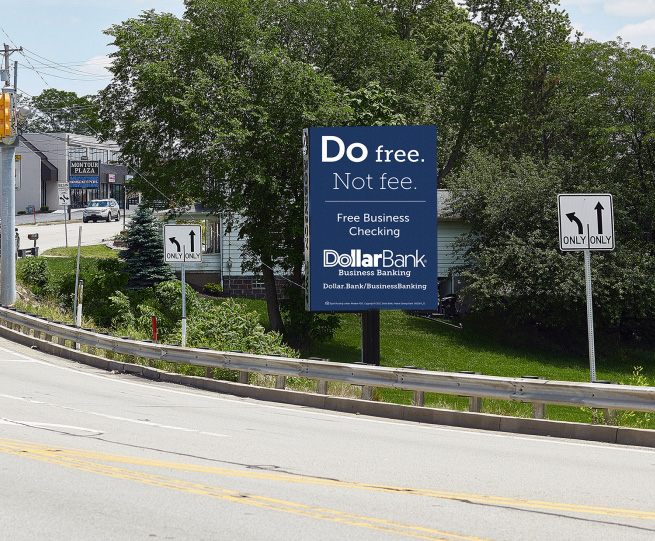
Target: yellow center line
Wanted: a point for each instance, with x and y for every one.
(72, 460)
(271, 476)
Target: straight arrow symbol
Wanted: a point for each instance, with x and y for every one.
(573, 218)
(193, 238)
(599, 213)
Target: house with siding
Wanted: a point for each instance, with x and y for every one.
(222, 259)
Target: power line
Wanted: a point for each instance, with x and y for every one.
(93, 130)
(86, 78)
(57, 65)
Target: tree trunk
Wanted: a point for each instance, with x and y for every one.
(274, 316)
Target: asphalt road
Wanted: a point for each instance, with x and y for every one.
(55, 232)
(86, 454)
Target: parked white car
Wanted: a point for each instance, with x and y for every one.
(102, 209)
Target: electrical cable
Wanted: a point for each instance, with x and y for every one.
(51, 64)
(93, 130)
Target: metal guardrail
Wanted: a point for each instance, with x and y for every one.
(525, 390)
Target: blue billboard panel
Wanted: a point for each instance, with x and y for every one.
(371, 218)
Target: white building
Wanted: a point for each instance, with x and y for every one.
(43, 160)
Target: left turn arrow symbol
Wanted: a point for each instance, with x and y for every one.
(573, 218)
(172, 239)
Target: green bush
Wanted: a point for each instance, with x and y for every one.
(229, 326)
(102, 280)
(21, 212)
(55, 277)
(303, 328)
(44, 208)
(212, 288)
(33, 271)
(119, 305)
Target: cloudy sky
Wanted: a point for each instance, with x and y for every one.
(64, 47)
(604, 20)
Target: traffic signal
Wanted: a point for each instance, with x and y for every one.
(5, 114)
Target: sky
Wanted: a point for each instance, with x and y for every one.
(64, 47)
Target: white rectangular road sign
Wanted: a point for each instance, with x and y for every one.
(182, 243)
(63, 189)
(586, 222)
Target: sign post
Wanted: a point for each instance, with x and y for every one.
(63, 189)
(370, 222)
(183, 278)
(182, 243)
(586, 223)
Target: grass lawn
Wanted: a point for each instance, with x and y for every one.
(481, 345)
(99, 251)
(484, 345)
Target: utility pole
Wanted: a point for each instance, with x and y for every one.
(8, 144)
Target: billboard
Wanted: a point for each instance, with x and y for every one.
(371, 218)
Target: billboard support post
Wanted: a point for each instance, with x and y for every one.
(371, 337)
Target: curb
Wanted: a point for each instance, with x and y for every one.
(462, 419)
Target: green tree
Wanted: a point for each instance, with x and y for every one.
(60, 111)
(498, 62)
(513, 263)
(213, 107)
(144, 256)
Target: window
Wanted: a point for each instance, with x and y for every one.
(98, 154)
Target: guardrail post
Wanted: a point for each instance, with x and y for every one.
(209, 372)
(244, 376)
(608, 414)
(321, 384)
(280, 382)
(47, 337)
(367, 390)
(475, 402)
(418, 397)
(538, 409)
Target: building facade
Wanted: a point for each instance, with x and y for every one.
(45, 160)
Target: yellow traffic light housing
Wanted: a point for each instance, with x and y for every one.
(5, 114)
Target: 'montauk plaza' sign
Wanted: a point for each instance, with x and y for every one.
(371, 218)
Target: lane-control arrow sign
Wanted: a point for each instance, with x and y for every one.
(192, 234)
(181, 243)
(572, 217)
(586, 222)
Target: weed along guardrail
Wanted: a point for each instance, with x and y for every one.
(70, 341)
